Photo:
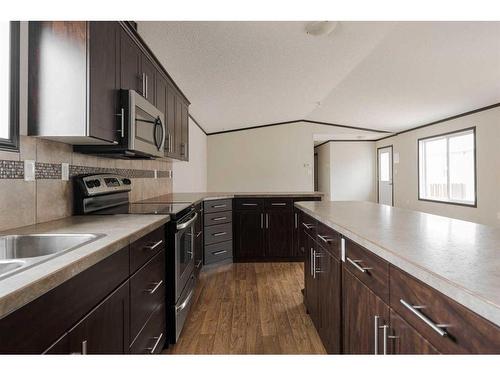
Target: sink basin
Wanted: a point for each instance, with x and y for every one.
(18, 252)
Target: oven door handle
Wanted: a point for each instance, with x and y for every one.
(183, 305)
(188, 223)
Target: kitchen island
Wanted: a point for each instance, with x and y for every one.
(450, 267)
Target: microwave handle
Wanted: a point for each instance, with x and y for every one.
(122, 122)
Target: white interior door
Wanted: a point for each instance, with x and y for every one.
(385, 175)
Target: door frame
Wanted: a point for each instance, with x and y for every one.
(392, 173)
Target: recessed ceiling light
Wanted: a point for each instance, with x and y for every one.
(318, 28)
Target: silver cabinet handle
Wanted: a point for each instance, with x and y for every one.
(249, 204)
(156, 286)
(218, 206)
(278, 204)
(219, 234)
(376, 319)
(261, 221)
(267, 221)
(415, 310)
(199, 234)
(144, 84)
(325, 239)
(357, 266)
(219, 252)
(154, 246)
(157, 341)
(311, 261)
(198, 264)
(122, 122)
(296, 220)
(385, 328)
(219, 218)
(314, 264)
(308, 226)
(84, 347)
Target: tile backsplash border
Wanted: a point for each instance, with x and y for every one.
(49, 197)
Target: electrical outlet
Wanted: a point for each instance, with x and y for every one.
(64, 171)
(29, 170)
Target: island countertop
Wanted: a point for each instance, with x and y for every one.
(118, 230)
(458, 258)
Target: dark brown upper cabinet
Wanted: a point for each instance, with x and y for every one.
(77, 68)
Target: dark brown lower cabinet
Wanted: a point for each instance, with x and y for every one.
(104, 330)
(329, 275)
(198, 240)
(279, 234)
(311, 286)
(404, 339)
(248, 234)
(364, 317)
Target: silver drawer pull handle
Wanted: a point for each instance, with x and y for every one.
(219, 234)
(375, 333)
(308, 226)
(357, 266)
(198, 264)
(156, 286)
(325, 239)
(219, 206)
(199, 234)
(426, 320)
(158, 339)
(249, 204)
(154, 246)
(219, 252)
(278, 204)
(84, 347)
(219, 218)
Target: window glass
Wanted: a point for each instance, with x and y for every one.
(447, 168)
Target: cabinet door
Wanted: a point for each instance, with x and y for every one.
(364, 316)
(279, 233)
(198, 241)
(104, 80)
(170, 123)
(404, 339)
(297, 249)
(248, 234)
(161, 100)
(311, 282)
(329, 297)
(105, 330)
(130, 60)
(179, 104)
(148, 72)
(185, 132)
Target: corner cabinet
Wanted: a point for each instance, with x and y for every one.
(75, 72)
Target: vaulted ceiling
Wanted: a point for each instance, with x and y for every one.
(379, 75)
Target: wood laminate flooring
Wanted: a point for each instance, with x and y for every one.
(249, 308)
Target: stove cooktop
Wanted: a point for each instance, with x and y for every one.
(175, 210)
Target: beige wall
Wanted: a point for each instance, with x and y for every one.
(275, 158)
(324, 169)
(29, 202)
(353, 166)
(191, 176)
(488, 168)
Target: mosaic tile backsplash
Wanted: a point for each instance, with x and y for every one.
(50, 198)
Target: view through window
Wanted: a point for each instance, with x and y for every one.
(447, 168)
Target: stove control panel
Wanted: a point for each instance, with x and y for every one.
(99, 184)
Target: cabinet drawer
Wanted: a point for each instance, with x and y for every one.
(248, 204)
(372, 270)
(218, 205)
(328, 239)
(278, 203)
(449, 326)
(308, 224)
(218, 233)
(147, 292)
(218, 252)
(218, 218)
(146, 247)
(151, 339)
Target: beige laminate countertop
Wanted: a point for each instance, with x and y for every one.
(119, 230)
(460, 259)
(197, 197)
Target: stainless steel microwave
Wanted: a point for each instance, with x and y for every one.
(141, 127)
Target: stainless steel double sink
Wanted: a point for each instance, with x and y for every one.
(18, 252)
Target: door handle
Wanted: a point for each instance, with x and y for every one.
(296, 221)
(415, 310)
(267, 221)
(357, 266)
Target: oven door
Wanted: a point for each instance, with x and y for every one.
(146, 126)
(184, 248)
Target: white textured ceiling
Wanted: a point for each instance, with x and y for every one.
(381, 75)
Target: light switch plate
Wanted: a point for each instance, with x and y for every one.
(170, 174)
(29, 170)
(156, 174)
(64, 171)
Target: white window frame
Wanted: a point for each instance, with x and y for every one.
(421, 178)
